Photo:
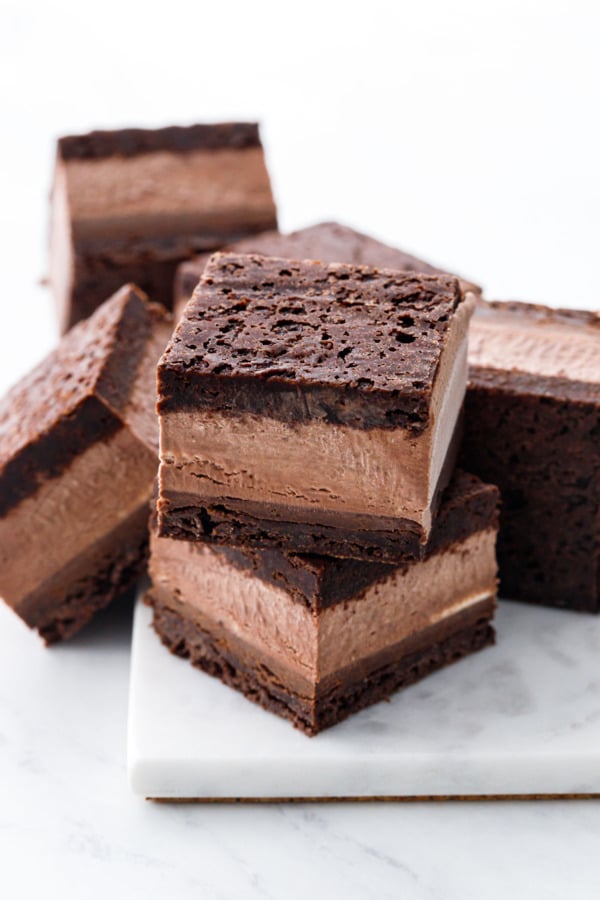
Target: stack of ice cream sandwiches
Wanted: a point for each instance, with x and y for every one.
(312, 541)
(314, 546)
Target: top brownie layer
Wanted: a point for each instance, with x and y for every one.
(536, 350)
(300, 341)
(76, 396)
(327, 241)
(468, 506)
(179, 139)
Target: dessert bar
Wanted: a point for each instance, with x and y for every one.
(78, 460)
(315, 639)
(311, 407)
(130, 205)
(533, 428)
(327, 241)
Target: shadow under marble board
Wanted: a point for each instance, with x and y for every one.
(519, 719)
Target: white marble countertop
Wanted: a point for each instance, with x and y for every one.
(462, 132)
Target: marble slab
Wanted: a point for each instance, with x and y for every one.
(520, 718)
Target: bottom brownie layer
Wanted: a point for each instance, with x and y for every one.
(229, 522)
(66, 602)
(466, 506)
(339, 696)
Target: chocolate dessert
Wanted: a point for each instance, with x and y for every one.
(78, 460)
(327, 241)
(533, 428)
(316, 639)
(311, 407)
(130, 205)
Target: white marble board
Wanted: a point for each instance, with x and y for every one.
(520, 718)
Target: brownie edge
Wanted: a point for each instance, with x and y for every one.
(327, 241)
(177, 138)
(302, 340)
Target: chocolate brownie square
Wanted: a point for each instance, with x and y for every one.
(130, 205)
(315, 639)
(311, 407)
(78, 462)
(532, 427)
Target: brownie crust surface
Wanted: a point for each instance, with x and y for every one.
(467, 505)
(544, 455)
(74, 397)
(179, 139)
(327, 241)
(303, 340)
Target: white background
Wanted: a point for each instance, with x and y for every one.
(465, 132)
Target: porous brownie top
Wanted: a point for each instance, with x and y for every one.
(74, 396)
(346, 332)
(179, 139)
